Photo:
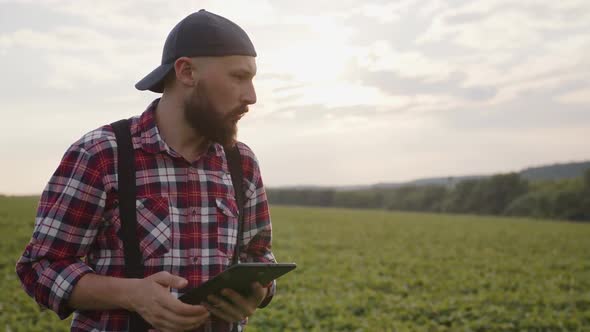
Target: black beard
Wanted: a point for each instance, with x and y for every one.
(208, 121)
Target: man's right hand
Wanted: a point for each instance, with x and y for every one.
(150, 297)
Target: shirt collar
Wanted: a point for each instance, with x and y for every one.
(146, 129)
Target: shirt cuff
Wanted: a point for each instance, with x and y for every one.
(272, 288)
(56, 284)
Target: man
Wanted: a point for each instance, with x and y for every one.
(186, 207)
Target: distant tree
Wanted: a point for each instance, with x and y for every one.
(461, 199)
(500, 190)
(569, 205)
(485, 196)
(418, 198)
(507, 194)
(359, 199)
(533, 204)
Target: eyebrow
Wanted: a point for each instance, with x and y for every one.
(242, 71)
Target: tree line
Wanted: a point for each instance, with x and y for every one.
(502, 194)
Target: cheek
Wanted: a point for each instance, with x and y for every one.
(227, 98)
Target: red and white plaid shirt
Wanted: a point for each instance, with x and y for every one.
(186, 215)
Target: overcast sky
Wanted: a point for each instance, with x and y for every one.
(349, 92)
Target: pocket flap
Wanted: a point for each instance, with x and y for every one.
(229, 208)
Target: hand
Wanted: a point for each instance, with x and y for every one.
(151, 298)
(236, 307)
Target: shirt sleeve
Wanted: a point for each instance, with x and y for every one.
(67, 221)
(257, 235)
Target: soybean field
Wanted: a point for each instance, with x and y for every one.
(368, 270)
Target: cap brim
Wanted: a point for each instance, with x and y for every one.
(154, 81)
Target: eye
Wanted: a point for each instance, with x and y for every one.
(241, 76)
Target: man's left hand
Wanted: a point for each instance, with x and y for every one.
(236, 307)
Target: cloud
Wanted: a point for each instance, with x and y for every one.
(579, 96)
(503, 25)
(444, 87)
(381, 56)
(387, 13)
(68, 39)
(78, 56)
(71, 71)
(393, 83)
(157, 19)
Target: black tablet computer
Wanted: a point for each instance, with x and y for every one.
(238, 277)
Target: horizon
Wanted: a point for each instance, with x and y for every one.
(336, 186)
(443, 87)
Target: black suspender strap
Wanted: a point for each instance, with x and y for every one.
(234, 163)
(127, 211)
(127, 208)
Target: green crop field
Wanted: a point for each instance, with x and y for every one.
(381, 271)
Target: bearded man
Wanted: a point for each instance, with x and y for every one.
(186, 210)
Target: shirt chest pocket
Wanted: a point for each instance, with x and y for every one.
(227, 225)
(153, 226)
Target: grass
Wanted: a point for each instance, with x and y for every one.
(363, 270)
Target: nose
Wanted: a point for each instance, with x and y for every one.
(249, 97)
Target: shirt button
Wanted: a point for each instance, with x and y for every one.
(195, 259)
(194, 212)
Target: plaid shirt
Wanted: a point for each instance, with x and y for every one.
(186, 215)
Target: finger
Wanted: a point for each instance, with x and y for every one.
(222, 314)
(169, 280)
(258, 291)
(170, 320)
(228, 308)
(183, 309)
(197, 321)
(245, 306)
(235, 297)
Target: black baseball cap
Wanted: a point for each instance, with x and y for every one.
(200, 34)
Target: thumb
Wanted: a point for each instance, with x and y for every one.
(258, 291)
(169, 280)
(256, 286)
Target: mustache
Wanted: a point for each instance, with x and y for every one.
(239, 112)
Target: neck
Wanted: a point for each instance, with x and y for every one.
(175, 130)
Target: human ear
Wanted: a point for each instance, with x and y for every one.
(185, 72)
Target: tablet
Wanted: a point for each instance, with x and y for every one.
(238, 277)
